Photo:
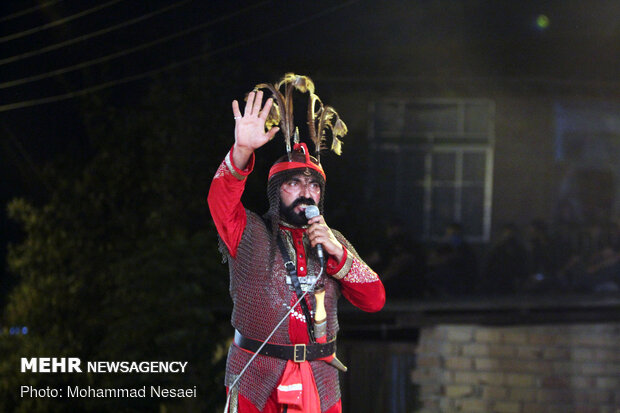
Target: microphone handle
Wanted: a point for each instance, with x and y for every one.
(319, 252)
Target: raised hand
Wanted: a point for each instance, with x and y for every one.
(250, 127)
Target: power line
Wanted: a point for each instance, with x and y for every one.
(91, 35)
(57, 22)
(29, 10)
(175, 65)
(125, 52)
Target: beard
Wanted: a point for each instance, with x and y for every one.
(292, 217)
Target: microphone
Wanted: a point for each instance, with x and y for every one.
(311, 212)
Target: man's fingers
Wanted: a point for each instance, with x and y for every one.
(272, 132)
(265, 111)
(235, 107)
(249, 104)
(317, 239)
(317, 230)
(318, 219)
(258, 101)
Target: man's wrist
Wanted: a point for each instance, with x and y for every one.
(231, 161)
(339, 268)
(340, 255)
(241, 155)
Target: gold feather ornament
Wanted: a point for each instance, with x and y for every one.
(320, 118)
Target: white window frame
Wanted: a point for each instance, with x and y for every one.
(432, 142)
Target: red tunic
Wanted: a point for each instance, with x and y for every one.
(358, 283)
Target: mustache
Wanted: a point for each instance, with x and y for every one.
(302, 200)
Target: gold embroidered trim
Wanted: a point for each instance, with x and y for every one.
(361, 273)
(345, 268)
(231, 168)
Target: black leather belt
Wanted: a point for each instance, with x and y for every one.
(296, 352)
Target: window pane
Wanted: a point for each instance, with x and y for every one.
(443, 166)
(413, 165)
(442, 210)
(474, 164)
(472, 210)
(431, 118)
(413, 210)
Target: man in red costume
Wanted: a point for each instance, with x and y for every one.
(296, 371)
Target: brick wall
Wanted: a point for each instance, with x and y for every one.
(524, 369)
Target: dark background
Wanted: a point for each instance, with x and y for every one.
(109, 144)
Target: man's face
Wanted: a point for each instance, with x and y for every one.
(296, 194)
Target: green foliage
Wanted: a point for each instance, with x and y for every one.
(122, 262)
